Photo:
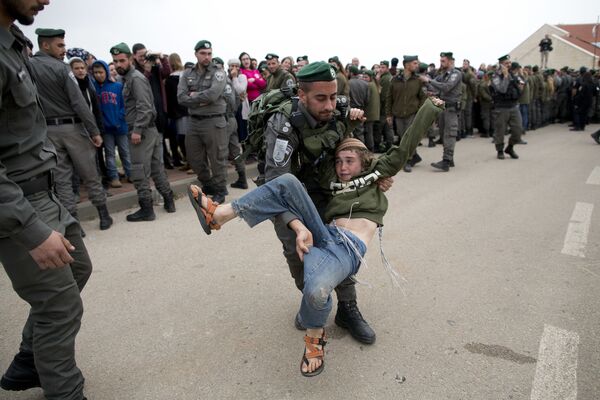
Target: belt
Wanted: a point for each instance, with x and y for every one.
(40, 183)
(63, 121)
(451, 105)
(201, 117)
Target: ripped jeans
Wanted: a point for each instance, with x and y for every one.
(336, 253)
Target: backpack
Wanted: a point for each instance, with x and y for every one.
(265, 106)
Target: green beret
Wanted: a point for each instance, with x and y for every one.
(334, 59)
(515, 65)
(407, 59)
(302, 58)
(448, 54)
(369, 72)
(564, 69)
(120, 48)
(218, 60)
(384, 62)
(203, 44)
(262, 66)
(423, 66)
(504, 58)
(318, 71)
(50, 33)
(271, 56)
(354, 70)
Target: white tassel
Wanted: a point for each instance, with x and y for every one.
(394, 275)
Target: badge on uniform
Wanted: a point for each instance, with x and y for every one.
(228, 89)
(219, 75)
(289, 83)
(282, 152)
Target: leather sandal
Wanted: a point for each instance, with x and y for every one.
(310, 351)
(205, 216)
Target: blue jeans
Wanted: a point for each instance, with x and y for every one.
(328, 263)
(122, 142)
(524, 109)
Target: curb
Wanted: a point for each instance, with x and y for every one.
(124, 201)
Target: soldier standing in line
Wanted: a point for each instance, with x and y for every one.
(145, 141)
(404, 99)
(385, 131)
(470, 81)
(343, 87)
(506, 89)
(41, 248)
(278, 78)
(372, 111)
(71, 124)
(202, 90)
(447, 84)
(537, 94)
(486, 104)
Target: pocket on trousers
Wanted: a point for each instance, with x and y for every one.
(137, 172)
(221, 123)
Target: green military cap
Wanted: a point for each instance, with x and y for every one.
(407, 59)
(218, 60)
(203, 44)
(334, 59)
(370, 72)
(515, 65)
(384, 62)
(50, 33)
(261, 66)
(564, 69)
(120, 48)
(448, 54)
(354, 70)
(318, 71)
(302, 58)
(423, 66)
(271, 56)
(504, 58)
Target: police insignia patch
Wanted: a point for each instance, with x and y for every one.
(332, 72)
(289, 83)
(228, 89)
(282, 152)
(219, 75)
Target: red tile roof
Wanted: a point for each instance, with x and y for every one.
(581, 35)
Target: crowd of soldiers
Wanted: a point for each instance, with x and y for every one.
(52, 140)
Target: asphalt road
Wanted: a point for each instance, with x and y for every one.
(496, 306)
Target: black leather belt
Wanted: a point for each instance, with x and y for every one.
(201, 117)
(63, 121)
(40, 183)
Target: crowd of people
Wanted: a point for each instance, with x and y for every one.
(66, 121)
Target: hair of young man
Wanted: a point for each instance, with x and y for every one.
(41, 40)
(366, 157)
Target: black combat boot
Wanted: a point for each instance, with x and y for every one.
(219, 196)
(511, 152)
(169, 202)
(431, 143)
(443, 165)
(105, 219)
(407, 167)
(596, 136)
(349, 317)
(416, 158)
(241, 182)
(500, 150)
(21, 373)
(145, 213)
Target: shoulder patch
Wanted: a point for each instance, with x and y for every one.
(282, 152)
(228, 89)
(289, 83)
(219, 75)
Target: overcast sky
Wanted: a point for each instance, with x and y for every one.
(371, 30)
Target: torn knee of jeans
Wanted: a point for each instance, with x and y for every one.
(318, 297)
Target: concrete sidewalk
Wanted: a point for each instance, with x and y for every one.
(127, 197)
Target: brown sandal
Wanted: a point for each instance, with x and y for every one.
(204, 215)
(310, 351)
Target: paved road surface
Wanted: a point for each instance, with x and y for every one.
(502, 260)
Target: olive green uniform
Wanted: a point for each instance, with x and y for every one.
(385, 131)
(486, 104)
(207, 141)
(29, 212)
(146, 156)
(70, 125)
(343, 88)
(281, 79)
(470, 81)
(372, 113)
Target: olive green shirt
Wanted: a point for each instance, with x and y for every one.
(25, 151)
(385, 81)
(405, 96)
(343, 87)
(373, 110)
(484, 96)
(60, 93)
(281, 79)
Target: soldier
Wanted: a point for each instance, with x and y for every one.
(301, 62)
(298, 145)
(563, 95)
(41, 248)
(447, 84)
(385, 131)
(359, 96)
(278, 78)
(506, 89)
(343, 87)
(486, 104)
(202, 89)
(71, 124)
(524, 100)
(145, 141)
(536, 97)
(470, 81)
(372, 112)
(404, 99)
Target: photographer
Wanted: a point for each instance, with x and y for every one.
(545, 49)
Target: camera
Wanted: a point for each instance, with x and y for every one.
(342, 104)
(151, 57)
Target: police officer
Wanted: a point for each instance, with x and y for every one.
(297, 140)
(506, 89)
(71, 124)
(41, 248)
(404, 99)
(278, 78)
(301, 62)
(447, 85)
(145, 141)
(202, 89)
